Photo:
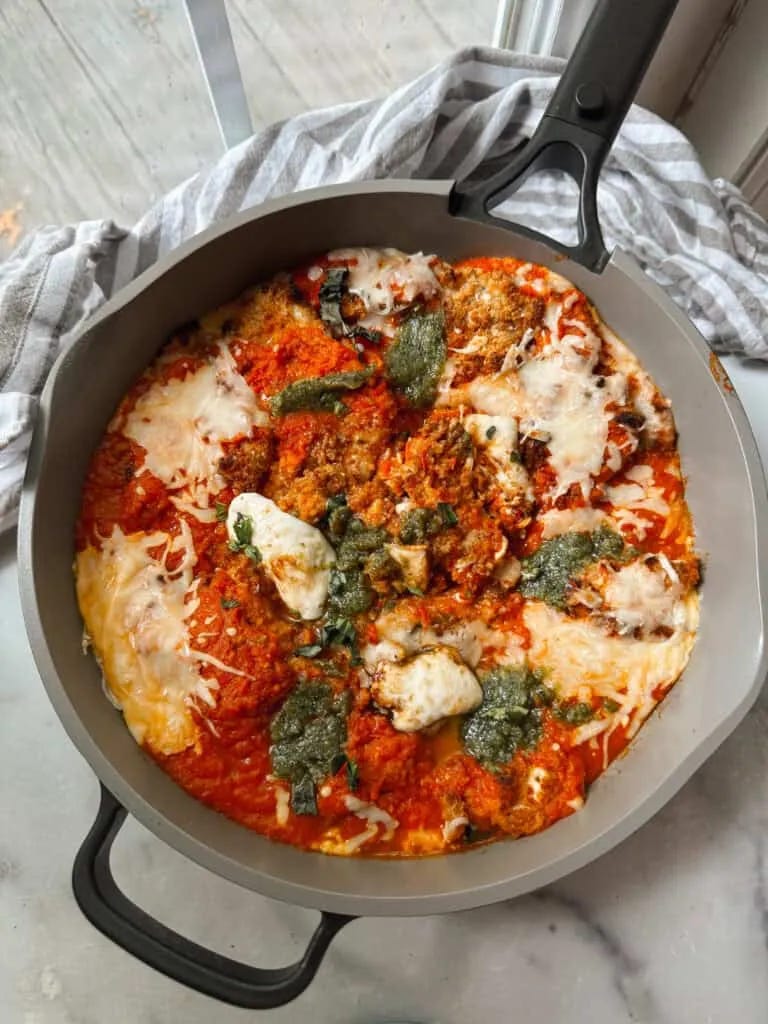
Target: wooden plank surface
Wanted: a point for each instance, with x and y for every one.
(103, 107)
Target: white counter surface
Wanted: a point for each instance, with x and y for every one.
(670, 927)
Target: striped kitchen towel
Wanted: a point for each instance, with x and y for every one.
(697, 238)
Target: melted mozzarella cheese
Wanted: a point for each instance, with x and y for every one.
(497, 435)
(373, 817)
(136, 611)
(568, 408)
(570, 520)
(296, 556)
(577, 652)
(495, 396)
(639, 598)
(426, 688)
(387, 280)
(400, 637)
(535, 783)
(181, 424)
(632, 500)
(282, 805)
(454, 828)
(413, 560)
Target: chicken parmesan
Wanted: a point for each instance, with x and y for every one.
(390, 555)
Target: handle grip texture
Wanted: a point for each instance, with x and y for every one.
(135, 931)
(581, 121)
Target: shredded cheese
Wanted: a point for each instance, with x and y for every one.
(136, 610)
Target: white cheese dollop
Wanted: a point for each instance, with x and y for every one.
(296, 556)
(426, 688)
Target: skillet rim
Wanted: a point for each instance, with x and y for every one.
(310, 896)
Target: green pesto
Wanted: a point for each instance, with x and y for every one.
(574, 714)
(337, 516)
(415, 359)
(308, 735)
(548, 572)
(419, 524)
(360, 558)
(349, 593)
(319, 394)
(509, 718)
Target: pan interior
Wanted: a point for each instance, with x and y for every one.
(718, 459)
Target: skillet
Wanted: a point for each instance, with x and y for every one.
(726, 493)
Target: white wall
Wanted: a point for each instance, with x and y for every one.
(730, 114)
(688, 38)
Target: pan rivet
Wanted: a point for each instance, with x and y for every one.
(590, 99)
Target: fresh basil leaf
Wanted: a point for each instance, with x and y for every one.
(319, 394)
(331, 293)
(221, 512)
(415, 359)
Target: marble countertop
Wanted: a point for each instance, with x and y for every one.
(671, 926)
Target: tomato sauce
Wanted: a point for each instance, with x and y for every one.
(381, 454)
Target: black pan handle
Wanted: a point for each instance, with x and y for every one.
(580, 122)
(115, 916)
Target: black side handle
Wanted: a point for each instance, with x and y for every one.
(580, 122)
(168, 952)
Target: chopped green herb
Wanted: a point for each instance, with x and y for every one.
(229, 602)
(515, 457)
(319, 394)
(353, 778)
(308, 651)
(330, 295)
(415, 359)
(221, 512)
(447, 513)
(490, 432)
(548, 572)
(308, 735)
(574, 714)
(243, 530)
(339, 632)
(509, 718)
(241, 542)
(610, 705)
